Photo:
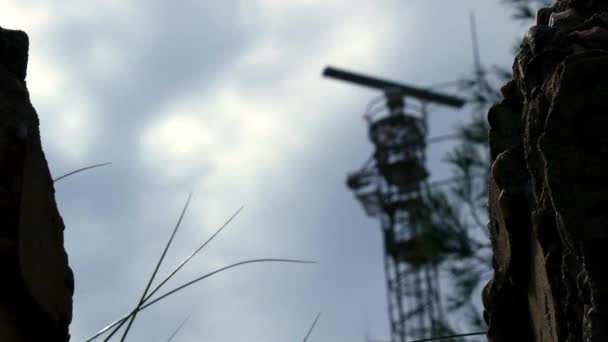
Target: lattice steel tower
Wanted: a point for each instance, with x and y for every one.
(390, 186)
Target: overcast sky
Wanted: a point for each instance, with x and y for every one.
(226, 99)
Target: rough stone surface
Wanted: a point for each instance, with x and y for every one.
(548, 216)
(37, 284)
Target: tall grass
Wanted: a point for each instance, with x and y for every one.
(146, 300)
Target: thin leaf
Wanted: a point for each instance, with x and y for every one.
(449, 336)
(179, 288)
(160, 260)
(441, 138)
(79, 170)
(183, 263)
(312, 327)
(178, 329)
(192, 282)
(121, 321)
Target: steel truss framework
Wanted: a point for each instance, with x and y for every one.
(390, 186)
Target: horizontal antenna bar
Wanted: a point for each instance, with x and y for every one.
(372, 82)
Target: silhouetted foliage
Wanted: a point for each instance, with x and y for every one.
(525, 10)
(458, 215)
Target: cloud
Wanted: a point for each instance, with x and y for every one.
(175, 143)
(26, 16)
(226, 98)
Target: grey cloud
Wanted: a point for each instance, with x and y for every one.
(118, 216)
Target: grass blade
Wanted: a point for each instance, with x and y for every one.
(312, 327)
(179, 288)
(438, 338)
(178, 329)
(449, 336)
(160, 260)
(79, 170)
(183, 263)
(108, 327)
(251, 261)
(121, 321)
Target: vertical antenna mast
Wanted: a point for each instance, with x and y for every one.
(482, 84)
(475, 45)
